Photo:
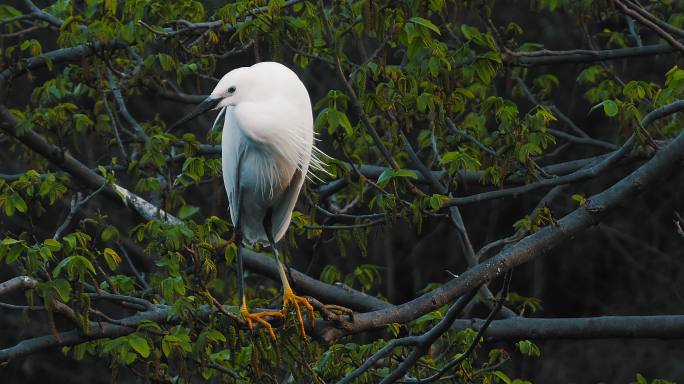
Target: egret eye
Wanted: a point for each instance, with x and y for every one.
(231, 90)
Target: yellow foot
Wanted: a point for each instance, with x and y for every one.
(290, 299)
(250, 318)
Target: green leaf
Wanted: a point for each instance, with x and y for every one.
(579, 198)
(640, 379)
(109, 232)
(230, 253)
(389, 174)
(425, 23)
(17, 202)
(13, 254)
(166, 62)
(469, 32)
(53, 245)
(610, 107)
(111, 258)
(344, 122)
(139, 344)
(74, 265)
(502, 376)
(62, 288)
(187, 211)
(528, 348)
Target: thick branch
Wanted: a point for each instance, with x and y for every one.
(329, 294)
(98, 330)
(70, 54)
(604, 327)
(80, 171)
(19, 282)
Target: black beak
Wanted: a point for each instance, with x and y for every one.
(208, 103)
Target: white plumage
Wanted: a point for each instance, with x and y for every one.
(267, 147)
(266, 144)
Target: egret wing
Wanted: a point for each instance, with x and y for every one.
(282, 210)
(232, 147)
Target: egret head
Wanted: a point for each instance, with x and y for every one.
(257, 83)
(232, 88)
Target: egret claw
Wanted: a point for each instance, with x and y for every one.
(250, 318)
(289, 298)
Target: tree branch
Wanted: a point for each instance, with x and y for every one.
(577, 176)
(474, 343)
(327, 293)
(532, 246)
(569, 57)
(670, 28)
(122, 107)
(19, 282)
(76, 203)
(603, 327)
(651, 25)
(81, 172)
(70, 54)
(421, 343)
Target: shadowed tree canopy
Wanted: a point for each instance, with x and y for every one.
(500, 204)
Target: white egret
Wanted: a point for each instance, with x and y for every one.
(267, 146)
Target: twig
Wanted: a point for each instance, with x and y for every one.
(77, 201)
(122, 107)
(135, 271)
(580, 175)
(478, 336)
(223, 369)
(115, 130)
(678, 224)
(530, 96)
(670, 28)
(20, 32)
(332, 215)
(422, 343)
(347, 227)
(651, 25)
(142, 303)
(584, 56)
(22, 307)
(470, 138)
(632, 31)
(44, 16)
(577, 176)
(70, 54)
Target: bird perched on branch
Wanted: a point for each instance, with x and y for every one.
(267, 148)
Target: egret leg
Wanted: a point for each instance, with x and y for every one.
(289, 298)
(250, 318)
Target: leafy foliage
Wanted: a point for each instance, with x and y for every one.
(438, 75)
